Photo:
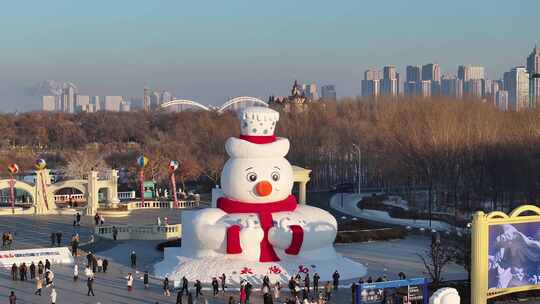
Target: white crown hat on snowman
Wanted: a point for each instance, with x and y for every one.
(257, 139)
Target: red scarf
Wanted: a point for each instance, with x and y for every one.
(264, 211)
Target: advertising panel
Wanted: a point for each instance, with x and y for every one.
(56, 255)
(514, 255)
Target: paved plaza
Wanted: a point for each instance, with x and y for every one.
(381, 258)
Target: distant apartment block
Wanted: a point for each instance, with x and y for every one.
(311, 91)
(516, 82)
(451, 86)
(413, 78)
(48, 103)
(476, 88)
(390, 81)
(425, 88)
(328, 92)
(432, 72)
(112, 103)
(371, 85)
(501, 100)
(496, 86)
(533, 68)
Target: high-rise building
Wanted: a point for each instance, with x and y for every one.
(166, 96)
(501, 100)
(467, 73)
(475, 88)
(155, 100)
(533, 68)
(413, 79)
(390, 81)
(68, 99)
(328, 92)
(516, 82)
(81, 100)
(146, 99)
(451, 86)
(432, 72)
(413, 73)
(89, 108)
(425, 88)
(310, 91)
(48, 103)
(371, 85)
(496, 86)
(95, 101)
(125, 106)
(112, 103)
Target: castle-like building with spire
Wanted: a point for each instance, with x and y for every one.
(301, 96)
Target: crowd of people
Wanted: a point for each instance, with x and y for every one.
(41, 274)
(302, 290)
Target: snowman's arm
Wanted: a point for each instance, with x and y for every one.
(287, 235)
(320, 227)
(210, 228)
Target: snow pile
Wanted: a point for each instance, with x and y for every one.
(176, 265)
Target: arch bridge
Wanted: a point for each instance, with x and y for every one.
(183, 102)
(233, 103)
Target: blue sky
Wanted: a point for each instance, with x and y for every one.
(211, 50)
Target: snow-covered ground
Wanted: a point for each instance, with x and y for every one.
(175, 265)
(350, 201)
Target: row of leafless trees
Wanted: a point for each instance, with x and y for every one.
(463, 152)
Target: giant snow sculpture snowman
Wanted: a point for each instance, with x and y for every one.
(257, 226)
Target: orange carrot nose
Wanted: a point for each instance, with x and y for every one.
(263, 188)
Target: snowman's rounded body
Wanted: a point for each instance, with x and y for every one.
(257, 227)
(258, 177)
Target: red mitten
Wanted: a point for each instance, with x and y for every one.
(297, 240)
(233, 240)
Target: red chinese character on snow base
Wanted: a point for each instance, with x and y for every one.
(274, 270)
(246, 270)
(303, 269)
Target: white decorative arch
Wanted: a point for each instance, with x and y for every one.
(81, 185)
(183, 102)
(240, 99)
(4, 184)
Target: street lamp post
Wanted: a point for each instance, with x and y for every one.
(359, 168)
(468, 251)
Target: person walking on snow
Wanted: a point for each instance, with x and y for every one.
(145, 280)
(129, 281)
(133, 257)
(90, 285)
(335, 277)
(39, 286)
(75, 273)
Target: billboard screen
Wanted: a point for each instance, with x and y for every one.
(514, 255)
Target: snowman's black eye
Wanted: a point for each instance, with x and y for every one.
(251, 176)
(275, 176)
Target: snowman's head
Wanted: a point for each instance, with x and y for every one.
(257, 171)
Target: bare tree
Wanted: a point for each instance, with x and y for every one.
(436, 258)
(79, 164)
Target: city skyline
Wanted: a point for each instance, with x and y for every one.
(192, 49)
